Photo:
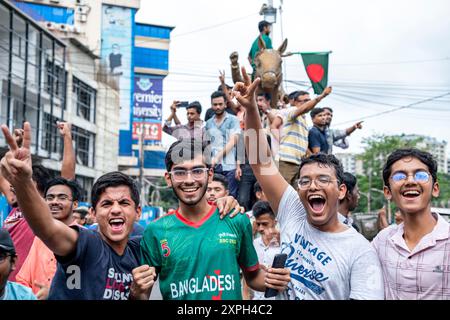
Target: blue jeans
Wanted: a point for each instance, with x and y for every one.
(233, 184)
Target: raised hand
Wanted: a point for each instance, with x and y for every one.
(222, 76)
(16, 164)
(65, 128)
(358, 125)
(244, 92)
(326, 91)
(173, 106)
(234, 56)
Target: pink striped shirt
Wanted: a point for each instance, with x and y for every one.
(420, 274)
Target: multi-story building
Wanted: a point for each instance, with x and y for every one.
(45, 79)
(432, 145)
(351, 163)
(106, 72)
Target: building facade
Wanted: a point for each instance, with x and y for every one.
(432, 145)
(47, 77)
(351, 163)
(100, 70)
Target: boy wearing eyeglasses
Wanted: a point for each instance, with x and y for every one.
(327, 259)
(39, 267)
(414, 255)
(197, 255)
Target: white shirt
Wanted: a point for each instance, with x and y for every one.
(265, 257)
(325, 265)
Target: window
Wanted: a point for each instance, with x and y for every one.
(86, 184)
(84, 146)
(55, 78)
(85, 97)
(51, 140)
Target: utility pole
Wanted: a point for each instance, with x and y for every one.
(141, 164)
(368, 191)
(270, 14)
(282, 39)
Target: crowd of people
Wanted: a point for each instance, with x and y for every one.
(251, 182)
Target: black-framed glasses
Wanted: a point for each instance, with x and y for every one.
(419, 176)
(321, 182)
(60, 197)
(196, 174)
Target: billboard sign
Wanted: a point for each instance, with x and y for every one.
(150, 130)
(116, 56)
(147, 98)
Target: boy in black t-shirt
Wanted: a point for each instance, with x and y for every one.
(94, 265)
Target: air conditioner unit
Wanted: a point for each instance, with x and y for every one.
(83, 10)
(50, 26)
(63, 27)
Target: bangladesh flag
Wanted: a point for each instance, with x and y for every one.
(316, 65)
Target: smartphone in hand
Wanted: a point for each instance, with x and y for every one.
(183, 104)
(278, 262)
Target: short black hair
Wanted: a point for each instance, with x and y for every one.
(292, 95)
(222, 179)
(349, 181)
(314, 112)
(262, 24)
(327, 108)
(218, 94)
(262, 207)
(41, 175)
(195, 105)
(327, 160)
(300, 93)
(82, 213)
(257, 188)
(75, 188)
(219, 88)
(424, 157)
(266, 95)
(185, 150)
(114, 179)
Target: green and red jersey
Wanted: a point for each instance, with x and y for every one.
(200, 260)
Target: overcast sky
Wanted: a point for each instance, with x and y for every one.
(386, 54)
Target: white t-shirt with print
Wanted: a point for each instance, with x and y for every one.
(324, 265)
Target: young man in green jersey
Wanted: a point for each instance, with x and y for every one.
(197, 255)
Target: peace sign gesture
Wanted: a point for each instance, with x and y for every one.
(16, 164)
(244, 92)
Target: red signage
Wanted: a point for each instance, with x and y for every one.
(150, 130)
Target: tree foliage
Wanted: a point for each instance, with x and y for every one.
(167, 198)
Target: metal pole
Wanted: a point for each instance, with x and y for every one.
(270, 5)
(368, 192)
(282, 39)
(141, 164)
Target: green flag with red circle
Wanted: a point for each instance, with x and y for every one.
(316, 66)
